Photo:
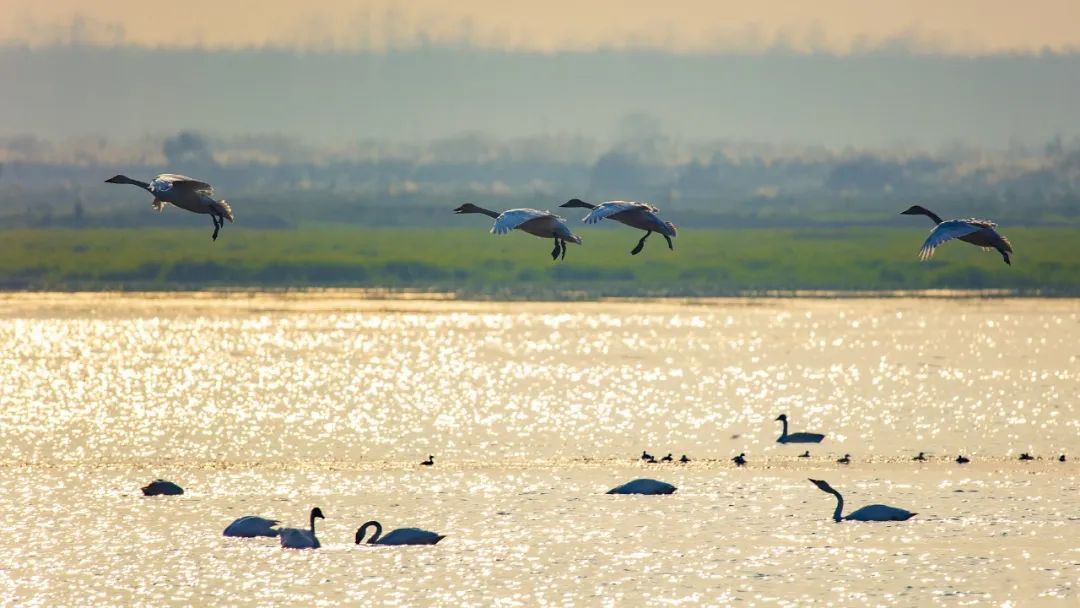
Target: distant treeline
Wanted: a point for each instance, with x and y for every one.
(468, 260)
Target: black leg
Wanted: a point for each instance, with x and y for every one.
(555, 252)
(563, 249)
(640, 244)
(670, 245)
(217, 227)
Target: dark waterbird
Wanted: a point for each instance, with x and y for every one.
(401, 536)
(739, 460)
(962, 459)
(429, 462)
(796, 437)
(845, 460)
(160, 487)
(867, 513)
(982, 233)
(650, 487)
(921, 457)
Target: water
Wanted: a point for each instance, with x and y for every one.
(271, 404)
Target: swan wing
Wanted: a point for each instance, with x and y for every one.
(611, 208)
(410, 536)
(880, 513)
(250, 526)
(295, 538)
(946, 231)
(509, 220)
(644, 486)
(168, 181)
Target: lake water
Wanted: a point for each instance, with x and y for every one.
(271, 404)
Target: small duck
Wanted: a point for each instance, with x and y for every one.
(845, 460)
(667, 458)
(160, 487)
(805, 454)
(921, 457)
(1061, 458)
(429, 462)
(1026, 456)
(739, 460)
(646, 456)
(962, 460)
(685, 460)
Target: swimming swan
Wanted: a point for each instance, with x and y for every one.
(251, 526)
(649, 487)
(981, 233)
(185, 193)
(401, 536)
(867, 513)
(160, 487)
(295, 538)
(642, 216)
(797, 437)
(537, 223)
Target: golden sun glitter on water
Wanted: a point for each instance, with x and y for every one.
(269, 405)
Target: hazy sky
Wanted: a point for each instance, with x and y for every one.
(954, 26)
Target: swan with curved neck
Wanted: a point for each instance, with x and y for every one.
(981, 233)
(867, 513)
(785, 437)
(401, 536)
(183, 192)
(297, 538)
(537, 223)
(642, 216)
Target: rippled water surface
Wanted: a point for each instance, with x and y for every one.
(271, 404)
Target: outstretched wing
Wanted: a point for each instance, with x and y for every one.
(509, 220)
(610, 208)
(946, 231)
(168, 181)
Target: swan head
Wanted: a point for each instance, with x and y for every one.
(781, 417)
(468, 208)
(118, 179)
(824, 486)
(317, 513)
(576, 203)
(915, 210)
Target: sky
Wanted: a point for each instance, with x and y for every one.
(837, 26)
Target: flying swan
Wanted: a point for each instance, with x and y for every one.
(185, 193)
(537, 223)
(977, 232)
(642, 216)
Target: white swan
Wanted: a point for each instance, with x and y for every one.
(160, 487)
(250, 526)
(867, 513)
(296, 538)
(401, 536)
(185, 193)
(796, 437)
(981, 233)
(642, 216)
(537, 223)
(644, 486)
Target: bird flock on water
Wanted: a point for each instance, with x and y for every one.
(198, 197)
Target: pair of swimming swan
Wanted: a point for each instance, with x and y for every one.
(298, 538)
(183, 192)
(544, 224)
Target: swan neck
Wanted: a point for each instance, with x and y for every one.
(313, 524)
(488, 212)
(378, 532)
(932, 215)
(839, 506)
(784, 422)
(135, 182)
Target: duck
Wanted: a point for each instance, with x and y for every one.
(646, 455)
(805, 454)
(401, 536)
(921, 457)
(982, 233)
(667, 458)
(250, 526)
(297, 538)
(962, 459)
(1025, 456)
(429, 462)
(739, 460)
(796, 437)
(867, 513)
(537, 223)
(160, 487)
(642, 216)
(649, 487)
(684, 459)
(183, 192)
(1061, 458)
(845, 460)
